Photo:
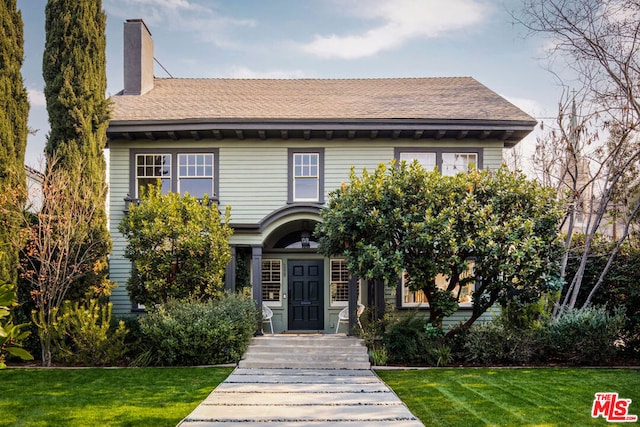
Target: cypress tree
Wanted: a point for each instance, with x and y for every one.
(74, 70)
(14, 110)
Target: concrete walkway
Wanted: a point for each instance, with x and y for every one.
(307, 396)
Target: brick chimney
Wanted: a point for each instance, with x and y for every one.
(138, 58)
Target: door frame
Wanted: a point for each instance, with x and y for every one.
(320, 262)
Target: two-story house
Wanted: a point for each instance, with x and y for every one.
(274, 149)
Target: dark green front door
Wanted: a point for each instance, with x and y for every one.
(306, 296)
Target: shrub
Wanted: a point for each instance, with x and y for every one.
(378, 356)
(411, 339)
(11, 335)
(179, 247)
(84, 335)
(493, 343)
(198, 333)
(583, 336)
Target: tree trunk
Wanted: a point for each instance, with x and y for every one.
(613, 255)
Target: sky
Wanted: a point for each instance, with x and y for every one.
(317, 39)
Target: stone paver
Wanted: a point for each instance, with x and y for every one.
(313, 396)
(300, 397)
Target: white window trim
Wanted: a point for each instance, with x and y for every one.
(315, 177)
(180, 177)
(137, 177)
(280, 301)
(174, 172)
(341, 303)
(291, 177)
(479, 152)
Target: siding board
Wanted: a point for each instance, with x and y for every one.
(253, 180)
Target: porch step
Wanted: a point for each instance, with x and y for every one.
(306, 352)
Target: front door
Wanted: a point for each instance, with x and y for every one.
(306, 296)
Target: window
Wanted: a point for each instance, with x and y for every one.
(339, 282)
(418, 298)
(187, 170)
(453, 163)
(306, 175)
(426, 160)
(448, 161)
(271, 280)
(153, 167)
(195, 175)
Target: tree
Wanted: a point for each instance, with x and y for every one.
(14, 110)
(75, 85)
(404, 218)
(179, 247)
(56, 252)
(598, 42)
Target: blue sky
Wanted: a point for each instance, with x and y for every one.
(317, 39)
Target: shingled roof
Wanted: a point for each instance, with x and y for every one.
(409, 98)
(399, 107)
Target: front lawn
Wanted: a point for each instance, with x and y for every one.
(510, 397)
(103, 397)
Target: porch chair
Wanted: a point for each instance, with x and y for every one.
(267, 314)
(343, 316)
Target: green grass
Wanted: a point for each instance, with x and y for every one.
(510, 397)
(103, 397)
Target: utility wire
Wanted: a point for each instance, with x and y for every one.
(162, 66)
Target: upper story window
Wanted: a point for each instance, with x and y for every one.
(187, 170)
(448, 161)
(453, 163)
(427, 160)
(153, 167)
(306, 175)
(195, 175)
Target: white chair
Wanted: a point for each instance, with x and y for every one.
(343, 316)
(267, 314)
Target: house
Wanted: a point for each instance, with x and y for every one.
(274, 149)
(35, 179)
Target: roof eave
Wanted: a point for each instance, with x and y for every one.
(510, 131)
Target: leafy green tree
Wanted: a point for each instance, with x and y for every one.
(14, 110)
(75, 85)
(404, 218)
(179, 247)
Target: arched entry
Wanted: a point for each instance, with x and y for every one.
(291, 241)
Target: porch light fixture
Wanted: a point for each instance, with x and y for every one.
(305, 239)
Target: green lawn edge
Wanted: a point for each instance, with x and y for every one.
(437, 396)
(510, 396)
(104, 396)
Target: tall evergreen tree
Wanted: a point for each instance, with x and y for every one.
(14, 110)
(74, 70)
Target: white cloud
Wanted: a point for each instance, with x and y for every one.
(189, 16)
(36, 97)
(239, 72)
(402, 20)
